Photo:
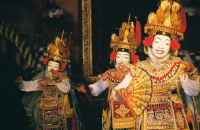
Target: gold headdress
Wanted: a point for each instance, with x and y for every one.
(169, 18)
(128, 38)
(59, 50)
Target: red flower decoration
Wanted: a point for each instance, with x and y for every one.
(45, 61)
(175, 45)
(113, 55)
(62, 66)
(134, 57)
(148, 41)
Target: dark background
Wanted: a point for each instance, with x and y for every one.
(108, 15)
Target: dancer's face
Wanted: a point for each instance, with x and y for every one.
(52, 65)
(161, 46)
(122, 58)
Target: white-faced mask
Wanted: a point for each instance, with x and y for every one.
(122, 58)
(52, 65)
(161, 46)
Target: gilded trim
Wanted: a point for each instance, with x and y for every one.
(87, 38)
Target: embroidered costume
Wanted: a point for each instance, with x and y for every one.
(174, 81)
(52, 109)
(121, 112)
(167, 109)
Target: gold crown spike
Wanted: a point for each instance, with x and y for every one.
(167, 19)
(126, 38)
(62, 34)
(58, 50)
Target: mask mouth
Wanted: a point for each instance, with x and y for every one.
(120, 65)
(50, 71)
(160, 51)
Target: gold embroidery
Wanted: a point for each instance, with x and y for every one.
(160, 112)
(122, 110)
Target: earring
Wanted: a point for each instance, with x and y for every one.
(175, 52)
(145, 51)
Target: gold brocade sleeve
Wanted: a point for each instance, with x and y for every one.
(191, 70)
(68, 110)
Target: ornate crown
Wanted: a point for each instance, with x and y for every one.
(169, 18)
(128, 38)
(59, 50)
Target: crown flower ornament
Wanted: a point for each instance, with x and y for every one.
(169, 18)
(148, 41)
(175, 45)
(113, 55)
(129, 37)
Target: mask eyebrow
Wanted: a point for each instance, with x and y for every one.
(119, 54)
(167, 40)
(157, 38)
(126, 54)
